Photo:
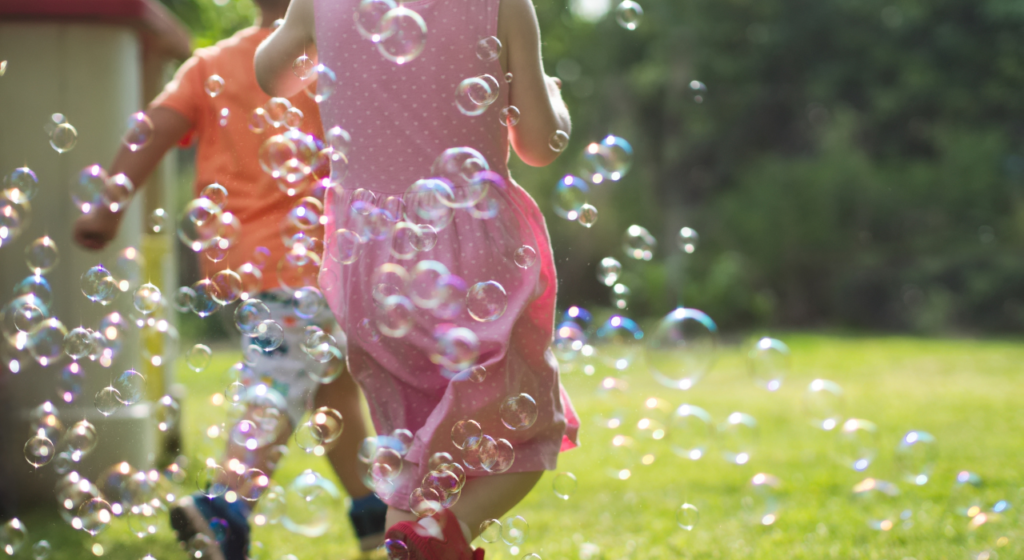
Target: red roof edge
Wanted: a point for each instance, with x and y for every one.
(149, 16)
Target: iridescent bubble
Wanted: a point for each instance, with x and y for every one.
(609, 159)
(326, 83)
(212, 480)
(564, 485)
(570, 196)
(139, 131)
(683, 348)
(737, 438)
(569, 340)
(79, 343)
(46, 341)
(688, 240)
(147, 299)
(82, 438)
(525, 256)
(395, 318)
(89, 188)
(876, 500)
(13, 535)
(858, 444)
(183, 299)
(95, 515)
(21, 185)
(198, 357)
(41, 550)
(199, 224)
(63, 138)
(608, 271)
(403, 35)
(328, 423)
(916, 455)
(486, 301)
(204, 301)
(308, 302)
(258, 120)
(629, 14)
(514, 530)
(457, 348)
(690, 432)
(276, 112)
(466, 432)
(268, 335)
(293, 117)
(488, 49)
(639, 243)
(509, 116)
(108, 400)
(311, 501)
(228, 287)
(130, 386)
(214, 85)
(559, 141)
(368, 16)
(303, 67)
(36, 287)
(620, 296)
(768, 363)
(519, 412)
(39, 450)
(587, 216)
(249, 314)
(490, 531)
(168, 412)
(396, 549)
(824, 404)
(619, 340)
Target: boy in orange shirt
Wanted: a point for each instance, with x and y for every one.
(214, 96)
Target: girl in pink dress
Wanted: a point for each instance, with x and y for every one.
(439, 267)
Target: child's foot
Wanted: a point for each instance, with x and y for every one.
(368, 515)
(214, 521)
(423, 542)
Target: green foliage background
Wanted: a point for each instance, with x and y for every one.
(853, 164)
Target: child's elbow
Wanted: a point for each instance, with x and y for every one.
(534, 153)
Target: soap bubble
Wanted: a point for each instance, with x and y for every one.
(876, 499)
(738, 438)
(570, 195)
(587, 216)
(215, 193)
(198, 357)
(683, 348)
(41, 550)
(518, 412)
(629, 14)
(13, 535)
(228, 286)
(472, 95)
(915, 456)
(268, 335)
(858, 444)
(96, 515)
(486, 301)
(368, 16)
(63, 138)
(569, 340)
(130, 386)
(199, 224)
(639, 243)
(20, 186)
(79, 343)
(147, 299)
(488, 49)
(564, 485)
(41, 255)
(763, 502)
(249, 314)
(395, 317)
(619, 339)
(608, 271)
(403, 35)
(699, 90)
(205, 295)
(82, 438)
(559, 141)
(311, 500)
(212, 480)
(46, 341)
(768, 363)
(525, 256)
(688, 240)
(687, 516)
(620, 296)
(214, 85)
(466, 432)
(396, 549)
(35, 286)
(609, 159)
(328, 422)
(39, 450)
(168, 413)
(824, 404)
(139, 131)
(509, 116)
(119, 192)
(326, 84)
(456, 350)
(490, 531)
(89, 188)
(690, 432)
(303, 67)
(514, 530)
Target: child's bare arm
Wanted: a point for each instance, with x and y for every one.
(537, 96)
(274, 58)
(95, 229)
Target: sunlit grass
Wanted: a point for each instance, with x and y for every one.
(965, 392)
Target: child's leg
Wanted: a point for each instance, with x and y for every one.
(488, 497)
(343, 395)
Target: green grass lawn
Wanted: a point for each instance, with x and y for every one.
(964, 392)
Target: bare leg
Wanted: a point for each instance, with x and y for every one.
(343, 395)
(483, 498)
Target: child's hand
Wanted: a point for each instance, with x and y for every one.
(97, 228)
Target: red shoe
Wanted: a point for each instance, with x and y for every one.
(423, 546)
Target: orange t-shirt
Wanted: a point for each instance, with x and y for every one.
(228, 150)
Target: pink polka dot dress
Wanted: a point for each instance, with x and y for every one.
(437, 265)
